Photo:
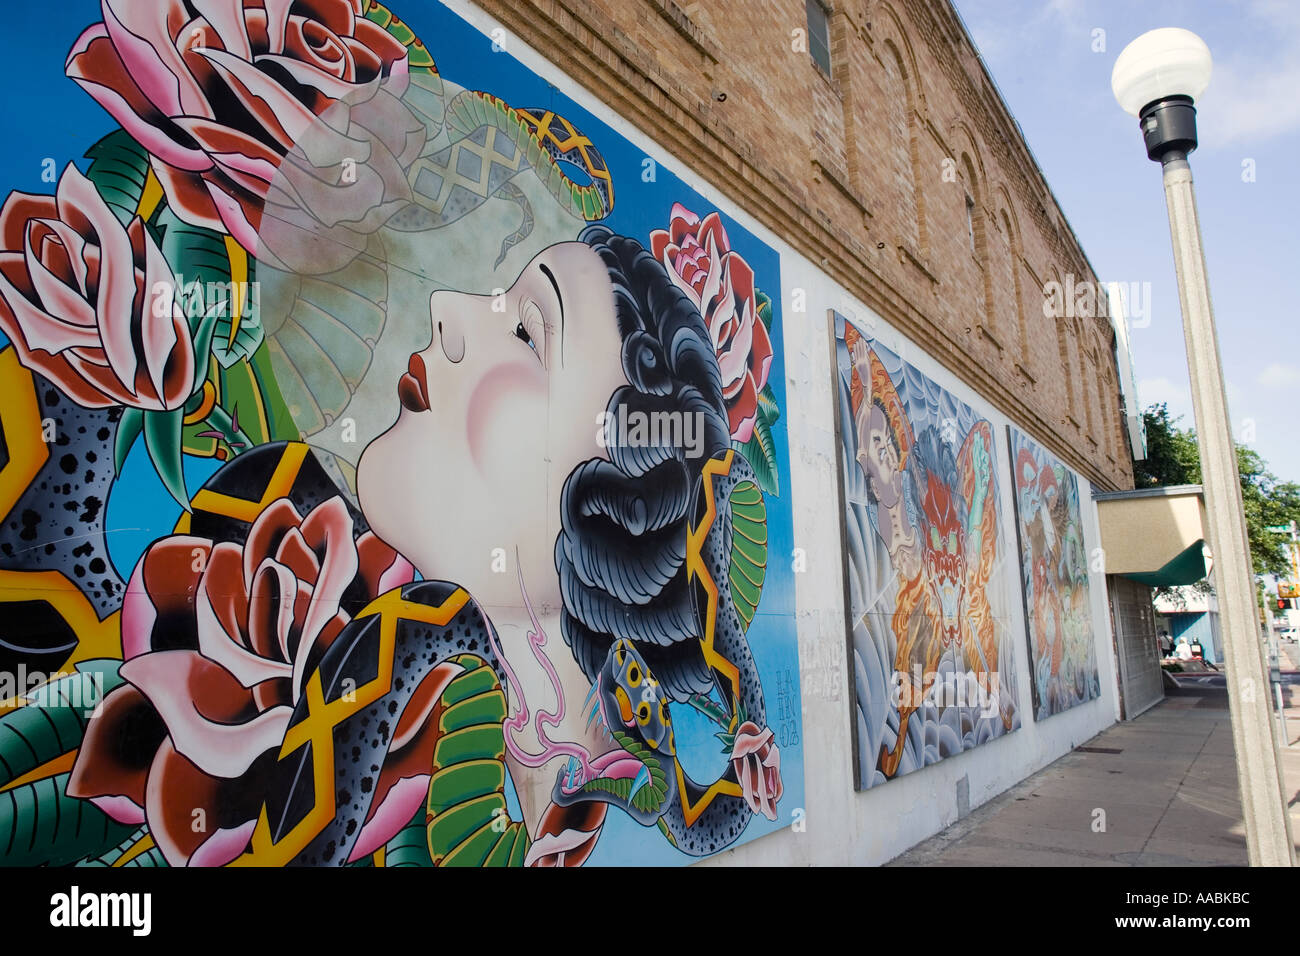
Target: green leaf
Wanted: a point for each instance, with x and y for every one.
(763, 305)
(203, 341)
(42, 826)
(119, 168)
(110, 857)
(709, 708)
(728, 737)
(200, 260)
(163, 439)
(55, 722)
(152, 858)
(128, 430)
(760, 452)
(106, 669)
(410, 847)
(249, 336)
(748, 567)
(649, 798)
(767, 404)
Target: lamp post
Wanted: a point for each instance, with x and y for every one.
(1157, 78)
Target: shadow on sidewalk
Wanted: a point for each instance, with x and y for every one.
(1160, 790)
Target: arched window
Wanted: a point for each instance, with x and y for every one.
(1060, 319)
(977, 229)
(1092, 385)
(901, 159)
(819, 34)
(1014, 326)
(904, 102)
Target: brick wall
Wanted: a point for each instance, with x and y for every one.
(868, 172)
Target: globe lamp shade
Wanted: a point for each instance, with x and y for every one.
(1160, 64)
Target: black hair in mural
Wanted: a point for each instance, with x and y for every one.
(621, 553)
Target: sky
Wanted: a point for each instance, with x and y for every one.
(1053, 69)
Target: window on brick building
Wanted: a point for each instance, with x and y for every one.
(819, 35)
(970, 224)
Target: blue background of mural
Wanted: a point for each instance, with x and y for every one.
(60, 121)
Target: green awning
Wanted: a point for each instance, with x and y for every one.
(1187, 567)
(1155, 536)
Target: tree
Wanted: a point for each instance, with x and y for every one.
(1268, 501)
(1173, 458)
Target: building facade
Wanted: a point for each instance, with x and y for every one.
(540, 433)
(1191, 617)
(898, 170)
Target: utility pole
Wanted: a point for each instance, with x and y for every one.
(1157, 78)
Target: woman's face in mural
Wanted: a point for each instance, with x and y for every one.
(495, 413)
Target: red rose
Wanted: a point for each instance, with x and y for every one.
(91, 304)
(219, 97)
(698, 257)
(216, 639)
(757, 760)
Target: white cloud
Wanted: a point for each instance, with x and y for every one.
(1252, 92)
(1279, 375)
(1000, 29)
(1255, 104)
(1177, 395)
(1069, 11)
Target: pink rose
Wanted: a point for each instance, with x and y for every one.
(698, 257)
(219, 96)
(757, 760)
(89, 303)
(217, 639)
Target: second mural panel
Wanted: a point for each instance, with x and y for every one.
(930, 580)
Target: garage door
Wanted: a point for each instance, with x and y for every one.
(1137, 645)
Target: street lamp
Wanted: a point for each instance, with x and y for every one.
(1157, 78)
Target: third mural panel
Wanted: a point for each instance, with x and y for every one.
(1054, 573)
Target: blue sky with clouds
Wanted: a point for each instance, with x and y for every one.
(1042, 58)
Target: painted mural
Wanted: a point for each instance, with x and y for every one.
(1054, 573)
(393, 463)
(929, 577)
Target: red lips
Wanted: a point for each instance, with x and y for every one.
(412, 388)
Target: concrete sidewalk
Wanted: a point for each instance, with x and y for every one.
(1167, 784)
(1290, 654)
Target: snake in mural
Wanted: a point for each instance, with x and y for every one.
(367, 695)
(495, 143)
(456, 179)
(272, 683)
(315, 804)
(652, 787)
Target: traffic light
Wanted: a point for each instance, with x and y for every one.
(1281, 604)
